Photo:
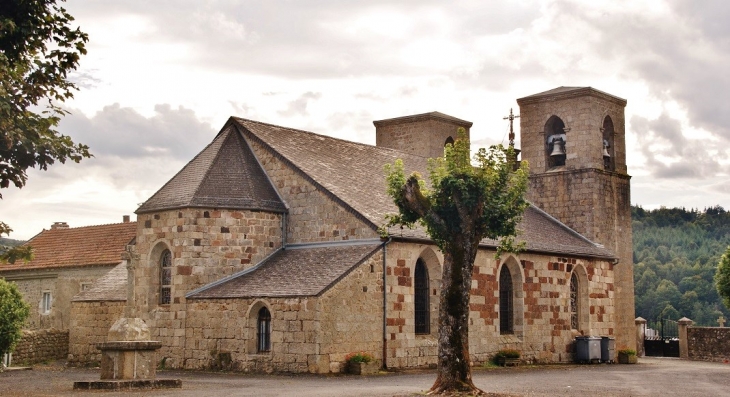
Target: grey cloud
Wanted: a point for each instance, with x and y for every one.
(116, 131)
(663, 137)
(299, 105)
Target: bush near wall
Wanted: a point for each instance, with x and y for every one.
(40, 346)
(708, 343)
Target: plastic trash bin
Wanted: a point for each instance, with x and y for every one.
(587, 348)
(608, 349)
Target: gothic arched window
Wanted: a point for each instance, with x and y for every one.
(263, 327)
(506, 306)
(165, 277)
(449, 140)
(574, 302)
(422, 309)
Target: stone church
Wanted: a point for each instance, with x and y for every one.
(264, 252)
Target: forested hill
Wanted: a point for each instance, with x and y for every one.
(676, 252)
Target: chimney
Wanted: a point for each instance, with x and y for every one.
(59, 225)
(125, 218)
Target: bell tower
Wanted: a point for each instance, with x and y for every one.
(574, 141)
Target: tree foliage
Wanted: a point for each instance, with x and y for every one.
(13, 313)
(38, 50)
(676, 252)
(722, 278)
(464, 204)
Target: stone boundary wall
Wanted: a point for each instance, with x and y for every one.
(41, 345)
(90, 322)
(708, 343)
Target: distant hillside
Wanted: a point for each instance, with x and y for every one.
(676, 252)
(9, 242)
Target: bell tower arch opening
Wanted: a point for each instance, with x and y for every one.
(555, 139)
(607, 131)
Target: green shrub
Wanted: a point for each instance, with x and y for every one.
(359, 357)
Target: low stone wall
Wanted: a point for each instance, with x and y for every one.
(41, 345)
(90, 323)
(708, 343)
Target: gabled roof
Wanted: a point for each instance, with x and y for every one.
(307, 270)
(225, 174)
(353, 174)
(109, 287)
(78, 246)
(424, 116)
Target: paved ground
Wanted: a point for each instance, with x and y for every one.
(651, 377)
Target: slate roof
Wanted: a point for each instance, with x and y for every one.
(567, 92)
(293, 271)
(353, 173)
(424, 116)
(110, 287)
(225, 174)
(78, 246)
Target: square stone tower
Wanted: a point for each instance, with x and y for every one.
(574, 141)
(424, 134)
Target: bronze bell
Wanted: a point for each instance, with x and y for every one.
(558, 148)
(605, 149)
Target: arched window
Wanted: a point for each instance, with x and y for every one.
(422, 309)
(506, 306)
(263, 326)
(449, 140)
(165, 277)
(555, 139)
(574, 302)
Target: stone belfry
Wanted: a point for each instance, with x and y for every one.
(574, 141)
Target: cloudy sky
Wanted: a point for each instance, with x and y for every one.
(161, 78)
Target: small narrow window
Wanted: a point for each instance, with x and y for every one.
(46, 303)
(165, 277)
(574, 301)
(85, 286)
(506, 308)
(421, 298)
(264, 330)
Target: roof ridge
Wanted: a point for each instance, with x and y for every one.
(367, 145)
(227, 134)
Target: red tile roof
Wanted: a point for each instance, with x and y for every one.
(79, 246)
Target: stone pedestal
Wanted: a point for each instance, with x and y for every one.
(683, 323)
(128, 359)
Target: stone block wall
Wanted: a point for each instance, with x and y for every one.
(37, 346)
(207, 245)
(541, 305)
(218, 328)
(708, 343)
(90, 325)
(424, 135)
(62, 283)
(314, 216)
(351, 317)
(583, 113)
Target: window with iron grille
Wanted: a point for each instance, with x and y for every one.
(422, 309)
(264, 330)
(165, 277)
(574, 301)
(506, 308)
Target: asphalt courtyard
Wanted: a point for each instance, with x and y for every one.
(650, 377)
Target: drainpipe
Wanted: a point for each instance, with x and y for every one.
(385, 304)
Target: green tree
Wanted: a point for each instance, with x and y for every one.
(13, 313)
(38, 49)
(464, 205)
(722, 278)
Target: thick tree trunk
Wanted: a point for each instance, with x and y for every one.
(454, 370)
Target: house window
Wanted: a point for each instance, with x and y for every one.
(264, 330)
(422, 309)
(506, 307)
(574, 301)
(46, 303)
(165, 277)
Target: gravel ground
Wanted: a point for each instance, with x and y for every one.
(650, 377)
